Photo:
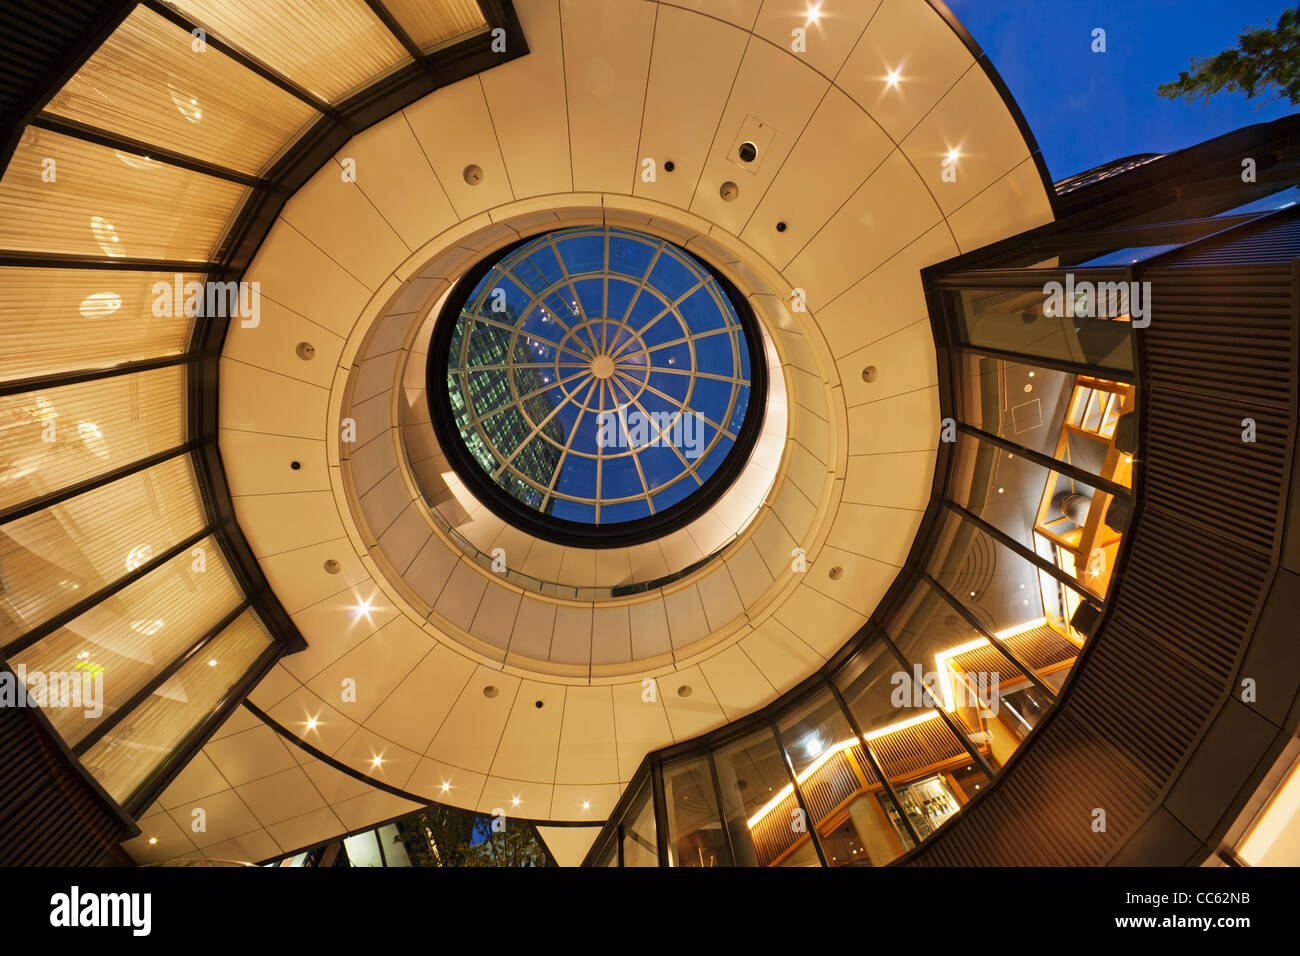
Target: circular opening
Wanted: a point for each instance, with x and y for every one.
(306, 351)
(837, 573)
(332, 567)
(748, 152)
(869, 373)
(473, 174)
(295, 465)
(780, 226)
(669, 165)
(538, 704)
(729, 191)
(684, 691)
(596, 386)
(490, 692)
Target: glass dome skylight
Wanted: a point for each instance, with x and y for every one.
(599, 376)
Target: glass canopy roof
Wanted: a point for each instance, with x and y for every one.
(599, 375)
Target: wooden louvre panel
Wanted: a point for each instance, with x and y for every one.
(916, 747)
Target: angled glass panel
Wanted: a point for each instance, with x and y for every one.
(109, 203)
(53, 438)
(124, 757)
(147, 83)
(51, 560)
(127, 639)
(431, 25)
(57, 319)
(328, 47)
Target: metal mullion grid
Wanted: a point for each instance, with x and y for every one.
(568, 444)
(670, 308)
(585, 320)
(149, 790)
(1047, 461)
(689, 468)
(721, 807)
(106, 725)
(925, 693)
(876, 768)
(1125, 376)
(998, 645)
(246, 60)
(659, 803)
(798, 793)
(42, 631)
(1089, 595)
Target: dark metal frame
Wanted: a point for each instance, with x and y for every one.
(575, 533)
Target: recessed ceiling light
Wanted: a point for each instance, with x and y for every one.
(514, 801)
(893, 78)
(445, 786)
(586, 804)
(212, 663)
(153, 840)
(814, 13)
(376, 761)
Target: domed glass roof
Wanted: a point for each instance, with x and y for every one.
(600, 376)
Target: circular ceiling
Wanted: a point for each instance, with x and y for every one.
(597, 384)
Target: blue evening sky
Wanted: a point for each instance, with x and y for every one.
(1088, 108)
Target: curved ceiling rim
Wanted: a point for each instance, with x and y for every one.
(417, 490)
(458, 248)
(573, 534)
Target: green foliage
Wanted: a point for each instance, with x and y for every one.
(1263, 59)
(445, 836)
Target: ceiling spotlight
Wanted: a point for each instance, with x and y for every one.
(893, 78)
(311, 723)
(153, 840)
(445, 786)
(514, 801)
(586, 804)
(361, 608)
(954, 154)
(814, 13)
(212, 663)
(376, 761)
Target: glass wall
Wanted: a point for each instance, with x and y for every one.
(884, 750)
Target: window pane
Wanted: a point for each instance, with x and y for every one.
(105, 202)
(123, 758)
(73, 308)
(329, 47)
(1067, 520)
(838, 784)
(1017, 320)
(1001, 588)
(146, 82)
(56, 557)
(134, 634)
(759, 804)
(928, 767)
(639, 846)
(92, 427)
(695, 835)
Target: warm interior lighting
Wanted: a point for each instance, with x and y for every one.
(586, 804)
(376, 761)
(153, 840)
(311, 723)
(212, 663)
(893, 77)
(942, 658)
(953, 155)
(1273, 829)
(832, 751)
(362, 607)
(445, 786)
(814, 13)
(514, 801)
